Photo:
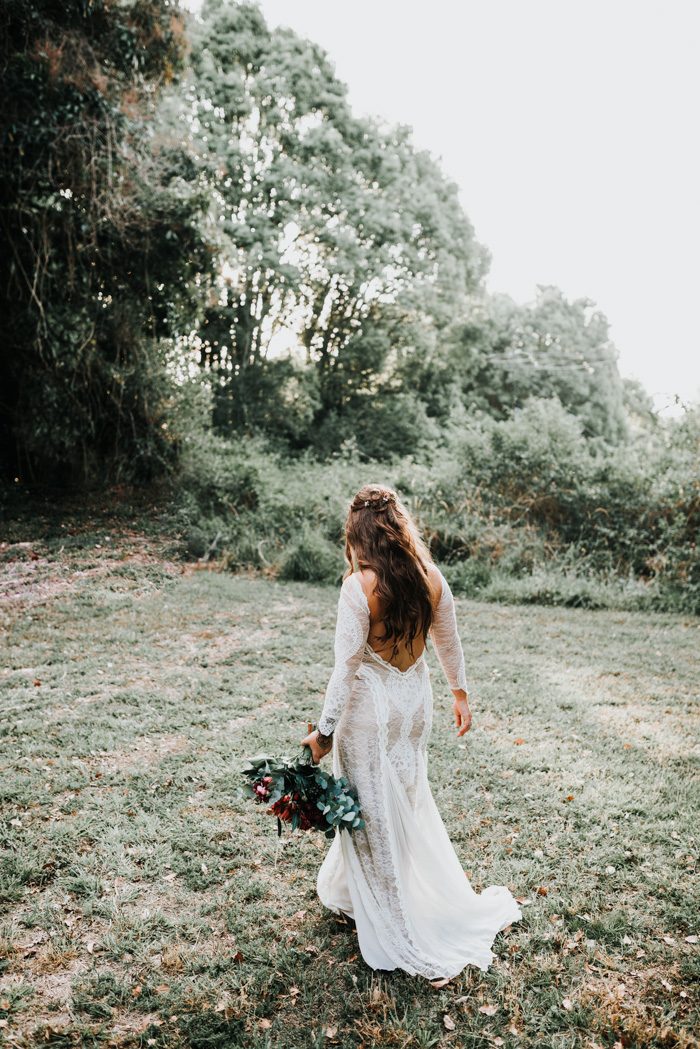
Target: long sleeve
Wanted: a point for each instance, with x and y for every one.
(351, 633)
(445, 638)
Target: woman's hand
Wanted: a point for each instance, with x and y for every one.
(317, 751)
(463, 715)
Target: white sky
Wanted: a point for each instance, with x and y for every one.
(571, 128)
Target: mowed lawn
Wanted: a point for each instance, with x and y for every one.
(146, 903)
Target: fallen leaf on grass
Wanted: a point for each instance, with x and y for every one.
(488, 1010)
(541, 890)
(448, 1023)
(437, 984)
(265, 1024)
(331, 1032)
(519, 741)
(567, 1003)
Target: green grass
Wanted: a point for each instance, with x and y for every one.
(145, 904)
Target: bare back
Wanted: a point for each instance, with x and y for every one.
(404, 658)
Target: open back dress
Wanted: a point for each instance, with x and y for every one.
(399, 877)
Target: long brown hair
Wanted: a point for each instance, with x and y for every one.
(384, 537)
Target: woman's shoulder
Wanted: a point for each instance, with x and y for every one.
(435, 581)
(363, 578)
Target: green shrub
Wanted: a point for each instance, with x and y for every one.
(312, 558)
(521, 509)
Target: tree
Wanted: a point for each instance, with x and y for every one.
(100, 223)
(503, 354)
(336, 235)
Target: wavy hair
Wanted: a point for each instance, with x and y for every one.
(384, 537)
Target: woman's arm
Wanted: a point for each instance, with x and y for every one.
(351, 633)
(445, 638)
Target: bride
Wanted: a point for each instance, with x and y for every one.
(398, 878)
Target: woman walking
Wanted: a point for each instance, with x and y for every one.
(399, 878)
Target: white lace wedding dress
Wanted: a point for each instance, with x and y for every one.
(399, 877)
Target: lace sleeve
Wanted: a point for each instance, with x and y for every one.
(445, 638)
(351, 632)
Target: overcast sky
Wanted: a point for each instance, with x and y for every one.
(571, 128)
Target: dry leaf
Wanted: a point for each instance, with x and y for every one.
(265, 1023)
(488, 1010)
(567, 1003)
(437, 984)
(542, 890)
(448, 1023)
(691, 939)
(519, 741)
(331, 1032)
(136, 991)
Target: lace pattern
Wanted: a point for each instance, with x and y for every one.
(417, 907)
(445, 637)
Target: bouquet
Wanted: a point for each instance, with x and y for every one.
(302, 794)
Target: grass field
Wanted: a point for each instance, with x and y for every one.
(145, 904)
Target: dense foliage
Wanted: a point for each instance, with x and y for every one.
(216, 272)
(101, 246)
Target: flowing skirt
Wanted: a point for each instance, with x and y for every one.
(399, 877)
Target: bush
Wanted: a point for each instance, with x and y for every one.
(311, 558)
(520, 509)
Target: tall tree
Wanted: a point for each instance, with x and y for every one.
(99, 222)
(335, 233)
